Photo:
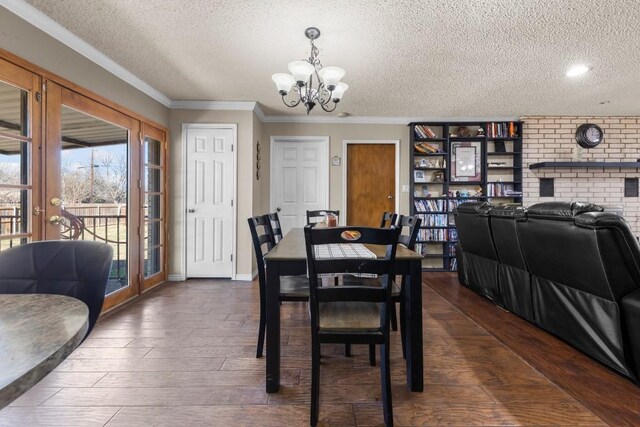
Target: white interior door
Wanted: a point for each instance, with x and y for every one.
(300, 178)
(210, 213)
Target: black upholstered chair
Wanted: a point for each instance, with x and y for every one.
(276, 228)
(513, 274)
(292, 288)
(582, 272)
(480, 256)
(351, 314)
(388, 219)
(75, 268)
(317, 216)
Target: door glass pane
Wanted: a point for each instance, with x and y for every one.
(152, 261)
(152, 180)
(13, 111)
(153, 206)
(15, 169)
(95, 175)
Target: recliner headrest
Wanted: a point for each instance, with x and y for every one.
(479, 208)
(564, 211)
(507, 212)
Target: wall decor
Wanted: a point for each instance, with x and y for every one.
(258, 157)
(465, 161)
(336, 161)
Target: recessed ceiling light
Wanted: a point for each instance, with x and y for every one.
(577, 70)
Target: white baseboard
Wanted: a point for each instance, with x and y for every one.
(245, 277)
(174, 278)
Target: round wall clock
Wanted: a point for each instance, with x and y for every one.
(589, 135)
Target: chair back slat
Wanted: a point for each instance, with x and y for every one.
(413, 224)
(388, 219)
(276, 228)
(262, 242)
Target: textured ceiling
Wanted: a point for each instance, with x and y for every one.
(447, 58)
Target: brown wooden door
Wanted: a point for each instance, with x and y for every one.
(371, 183)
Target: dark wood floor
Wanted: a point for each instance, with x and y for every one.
(185, 355)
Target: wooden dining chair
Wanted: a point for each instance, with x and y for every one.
(276, 228)
(409, 227)
(412, 226)
(317, 216)
(388, 219)
(75, 268)
(350, 314)
(292, 288)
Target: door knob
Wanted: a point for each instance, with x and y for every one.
(55, 219)
(191, 210)
(55, 201)
(37, 211)
(389, 196)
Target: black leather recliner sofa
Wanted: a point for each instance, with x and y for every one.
(568, 267)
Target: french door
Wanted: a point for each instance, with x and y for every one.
(20, 114)
(92, 158)
(75, 168)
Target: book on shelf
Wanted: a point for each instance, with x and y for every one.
(502, 130)
(425, 148)
(499, 189)
(424, 131)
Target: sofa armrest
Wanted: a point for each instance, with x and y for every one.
(631, 315)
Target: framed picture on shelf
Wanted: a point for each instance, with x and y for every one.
(466, 165)
(418, 176)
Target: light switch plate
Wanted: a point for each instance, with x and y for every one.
(405, 188)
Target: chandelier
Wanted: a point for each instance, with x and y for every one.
(329, 88)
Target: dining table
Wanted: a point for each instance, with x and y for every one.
(37, 332)
(288, 257)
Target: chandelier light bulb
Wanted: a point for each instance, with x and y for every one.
(301, 71)
(338, 92)
(331, 77)
(283, 82)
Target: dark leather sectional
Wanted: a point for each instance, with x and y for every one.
(568, 267)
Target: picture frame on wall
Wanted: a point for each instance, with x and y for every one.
(466, 164)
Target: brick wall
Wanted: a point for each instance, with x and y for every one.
(548, 138)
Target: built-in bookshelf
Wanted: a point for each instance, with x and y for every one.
(456, 162)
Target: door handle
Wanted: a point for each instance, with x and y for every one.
(55, 220)
(278, 209)
(389, 196)
(191, 210)
(37, 211)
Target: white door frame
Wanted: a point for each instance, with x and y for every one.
(182, 216)
(345, 144)
(272, 168)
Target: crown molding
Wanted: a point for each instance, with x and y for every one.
(184, 104)
(41, 21)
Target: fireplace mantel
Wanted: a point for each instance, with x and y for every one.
(617, 165)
